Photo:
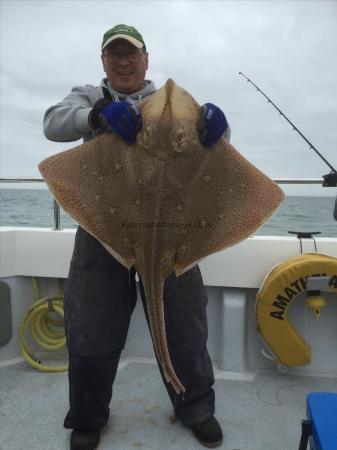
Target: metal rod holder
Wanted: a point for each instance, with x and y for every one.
(57, 216)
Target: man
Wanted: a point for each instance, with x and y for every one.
(100, 293)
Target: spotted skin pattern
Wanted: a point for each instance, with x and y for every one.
(165, 202)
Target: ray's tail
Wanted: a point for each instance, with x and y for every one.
(155, 307)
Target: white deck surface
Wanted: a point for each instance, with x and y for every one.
(262, 414)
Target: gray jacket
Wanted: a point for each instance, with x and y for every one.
(68, 120)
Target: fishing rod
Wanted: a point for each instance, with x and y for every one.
(330, 180)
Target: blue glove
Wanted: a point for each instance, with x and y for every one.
(124, 118)
(212, 124)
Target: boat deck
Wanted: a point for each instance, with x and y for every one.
(262, 411)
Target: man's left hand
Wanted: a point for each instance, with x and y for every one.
(212, 124)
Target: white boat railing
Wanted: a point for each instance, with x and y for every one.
(57, 215)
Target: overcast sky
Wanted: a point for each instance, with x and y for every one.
(288, 48)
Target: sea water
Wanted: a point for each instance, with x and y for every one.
(34, 208)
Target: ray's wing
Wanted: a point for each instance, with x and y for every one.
(219, 199)
(98, 184)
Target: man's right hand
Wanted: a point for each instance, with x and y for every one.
(123, 118)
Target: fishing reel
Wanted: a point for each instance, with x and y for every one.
(330, 180)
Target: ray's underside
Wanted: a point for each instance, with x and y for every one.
(165, 202)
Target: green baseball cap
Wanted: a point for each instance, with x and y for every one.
(123, 32)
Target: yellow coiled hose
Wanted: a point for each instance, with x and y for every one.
(43, 329)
